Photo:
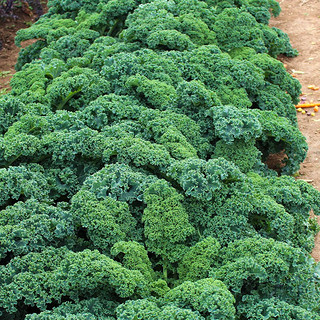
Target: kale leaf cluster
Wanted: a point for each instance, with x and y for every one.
(134, 181)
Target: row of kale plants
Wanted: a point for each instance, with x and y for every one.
(133, 180)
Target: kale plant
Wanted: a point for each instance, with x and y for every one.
(133, 175)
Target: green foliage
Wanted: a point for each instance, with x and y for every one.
(243, 153)
(87, 309)
(145, 309)
(198, 261)
(106, 222)
(133, 179)
(210, 297)
(273, 308)
(166, 225)
(10, 109)
(201, 179)
(29, 53)
(258, 269)
(75, 88)
(61, 272)
(31, 225)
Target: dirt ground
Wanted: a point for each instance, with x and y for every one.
(9, 52)
(300, 19)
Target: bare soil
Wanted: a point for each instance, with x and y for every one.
(299, 18)
(23, 18)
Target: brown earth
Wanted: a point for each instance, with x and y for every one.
(299, 18)
(23, 18)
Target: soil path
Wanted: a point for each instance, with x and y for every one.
(300, 19)
(24, 17)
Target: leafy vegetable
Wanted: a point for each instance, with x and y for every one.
(134, 181)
